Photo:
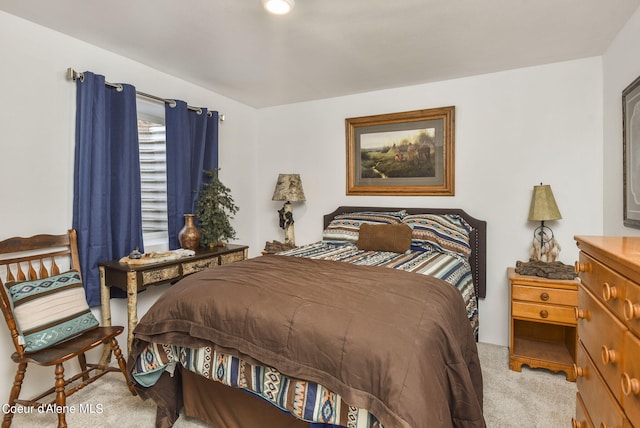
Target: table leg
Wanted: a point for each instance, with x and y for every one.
(132, 307)
(105, 307)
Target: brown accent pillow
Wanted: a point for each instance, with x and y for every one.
(384, 237)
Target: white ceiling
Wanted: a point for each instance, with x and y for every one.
(328, 48)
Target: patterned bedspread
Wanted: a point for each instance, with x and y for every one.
(307, 400)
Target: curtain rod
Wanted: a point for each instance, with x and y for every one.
(73, 75)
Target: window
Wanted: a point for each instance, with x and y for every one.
(153, 174)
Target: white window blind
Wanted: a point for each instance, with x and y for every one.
(153, 174)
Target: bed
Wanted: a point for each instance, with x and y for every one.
(373, 326)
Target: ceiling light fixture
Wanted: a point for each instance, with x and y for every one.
(278, 7)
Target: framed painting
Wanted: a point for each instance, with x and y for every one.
(404, 154)
(631, 153)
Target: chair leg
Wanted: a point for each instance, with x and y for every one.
(14, 394)
(61, 397)
(122, 364)
(82, 359)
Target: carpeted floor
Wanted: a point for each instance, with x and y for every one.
(532, 399)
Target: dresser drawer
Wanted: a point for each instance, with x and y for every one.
(231, 257)
(609, 286)
(630, 381)
(544, 295)
(603, 338)
(631, 309)
(198, 265)
(601, 407)
(582, 419)
(543, 312)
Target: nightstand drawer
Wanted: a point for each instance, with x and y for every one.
(543, 312)
(544, 295)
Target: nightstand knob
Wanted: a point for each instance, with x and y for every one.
(579, 371)
(631, 310)
(544, 297)
(582, 267)
(609, 292)
(629, 385)
(608, 355)
(544, 314)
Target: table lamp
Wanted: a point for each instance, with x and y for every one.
(288, 189)
(543, 208)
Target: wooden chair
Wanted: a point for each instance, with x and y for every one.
(35, 258)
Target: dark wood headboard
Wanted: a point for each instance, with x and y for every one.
(478, 237)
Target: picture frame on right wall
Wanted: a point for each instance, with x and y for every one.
(631, 153)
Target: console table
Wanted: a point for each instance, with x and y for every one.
(134, 278)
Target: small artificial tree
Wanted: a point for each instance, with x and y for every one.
(214, 210)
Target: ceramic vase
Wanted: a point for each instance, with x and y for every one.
(189, 235)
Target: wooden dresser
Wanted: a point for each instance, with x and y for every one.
(608, 313)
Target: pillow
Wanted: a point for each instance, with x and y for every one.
(50, 310)
(384, 237)
(343, 229)
(444, 232)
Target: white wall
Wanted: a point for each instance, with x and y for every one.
(621, 66)
(514, 130)
(37, 125)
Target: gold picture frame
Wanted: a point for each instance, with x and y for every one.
(403, 154)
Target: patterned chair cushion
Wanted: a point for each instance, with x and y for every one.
(50, 310)
(344, 228)
(444, 232)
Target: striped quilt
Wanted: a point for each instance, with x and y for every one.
(306, 400)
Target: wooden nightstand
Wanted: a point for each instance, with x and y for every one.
(543, 330)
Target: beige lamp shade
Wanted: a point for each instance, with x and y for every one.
(543, 204)
(288, 188)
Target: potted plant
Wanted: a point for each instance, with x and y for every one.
(214, 210)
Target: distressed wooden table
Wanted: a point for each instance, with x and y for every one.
(134, 278)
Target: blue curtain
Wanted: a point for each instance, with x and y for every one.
(107, 210)
(192, 148)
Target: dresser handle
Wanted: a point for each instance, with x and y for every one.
(609, 292)
(578, 424)
(544, 313)
(631, 310)
(608, 355)
(544, 297)
(579, 371)
(580, 314)
(582, 267)
(629, 385)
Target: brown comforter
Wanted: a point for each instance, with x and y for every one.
(396, 343)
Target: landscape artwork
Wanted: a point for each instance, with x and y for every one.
(398, 154)
(408, 153)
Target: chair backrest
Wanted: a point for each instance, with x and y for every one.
(36, 257)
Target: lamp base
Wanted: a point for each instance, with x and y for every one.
(544, 247)
(286, 223)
